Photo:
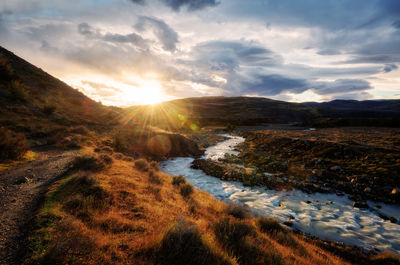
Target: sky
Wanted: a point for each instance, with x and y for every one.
(128, 52)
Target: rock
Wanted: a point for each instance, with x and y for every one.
(308, 202)
(367, 189)
(290, 224)
(22, 180)
(395, 191)
(360, 204)
(317, 172)
(335, 168)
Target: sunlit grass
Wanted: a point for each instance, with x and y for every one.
(28, 157)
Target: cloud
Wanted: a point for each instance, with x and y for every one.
(176, 5)
(340, 86)
(140, 2)
(132, 38)
(165, 34)
(99, 85)
(271, 85)
(390, 67)
(192, 5)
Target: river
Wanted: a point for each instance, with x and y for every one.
(327, 216)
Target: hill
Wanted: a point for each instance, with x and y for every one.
(104, 205)
(49, 112)
(204, 111)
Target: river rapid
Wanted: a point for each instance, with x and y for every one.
(326, 216)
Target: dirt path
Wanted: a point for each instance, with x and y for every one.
(21, 191)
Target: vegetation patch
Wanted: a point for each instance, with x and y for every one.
(92, 162)
(237, 210)
(13, 145)
(178, 180)
(182, 244)
(186, 190)
(241, 241)
(142, 164)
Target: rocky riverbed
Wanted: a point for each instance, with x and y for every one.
(328, 216)
(314, 161)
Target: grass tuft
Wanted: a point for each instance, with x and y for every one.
(92, 162)
(186, 190)
(178, 180)
(142, 164)
(182, 244)
(13, 145)
(237, 210)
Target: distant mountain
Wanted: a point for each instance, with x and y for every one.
(224, 110)
(355, 108)
(254, 111)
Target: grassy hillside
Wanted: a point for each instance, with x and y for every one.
(34, 102)
(130, 212)
(46, 111)
(191, 113)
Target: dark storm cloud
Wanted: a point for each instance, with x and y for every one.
(328, 14)
(165, 34)
(390, 67)
(341, 86)
(191, 5)
(176, 5)
(271, 85)
(396, 24)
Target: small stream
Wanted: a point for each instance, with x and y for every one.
(327, 216)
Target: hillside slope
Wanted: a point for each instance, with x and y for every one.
(36, 103)
(205, 111)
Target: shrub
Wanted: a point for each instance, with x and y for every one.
(141, 164)
(240, 239)
(178, 180)
(91, 162)
(183, 244)
(18, 91)
(154, 165)
(12, 145)
(279, 233)
(83, 194)
(230, 234)
(270, 225)
(237, 210)
(186, 189)
(49, 108)
(154, 177)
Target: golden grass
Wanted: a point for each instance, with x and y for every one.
(28, 157)
(129, 224)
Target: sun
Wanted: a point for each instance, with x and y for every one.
(146, 92)
(131, 91)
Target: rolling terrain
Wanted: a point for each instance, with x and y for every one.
(93, 192)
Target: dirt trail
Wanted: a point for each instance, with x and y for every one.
(21, 191)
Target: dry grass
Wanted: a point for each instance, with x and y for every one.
(120, 216)
(13, 146)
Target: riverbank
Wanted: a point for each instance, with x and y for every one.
(325, 215)
(362, 162)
